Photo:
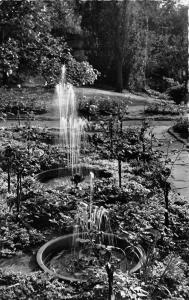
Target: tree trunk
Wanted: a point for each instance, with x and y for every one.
(119, 171)
(18, 194)
(4, 78)
(111, 133)
(8, 178)
(166, 194)
(119, 74)
(110, 273)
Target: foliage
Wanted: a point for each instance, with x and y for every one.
(36, 286)
(48, 210)
(136, 212)
(9, 58)
(28, 47)
(17, 236)
(181, 127)
(164, 108)
(23, 100)
(81, 73)
(155, 35)
(95, 106)
(116, 35)
(34, 157)
(128, 143)
(27, 30)
(177, 93)
(65, 18)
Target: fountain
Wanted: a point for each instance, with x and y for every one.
(64, 255)
(71, 126)
(71, 133)
(74, 256)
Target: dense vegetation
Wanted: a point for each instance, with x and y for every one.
(143, 209)
(134, 44)
(138, 43)
(28, 45)
(181, 127)
(125, 44)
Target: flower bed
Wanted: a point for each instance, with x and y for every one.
(23, 101)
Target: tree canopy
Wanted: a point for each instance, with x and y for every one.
(31, 43)
(133, 44)
(137, 42)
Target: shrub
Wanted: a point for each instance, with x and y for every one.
(181, 127)
(163, 108)
(81, 73)
(177, 93)
(26, 101)
(102, 105)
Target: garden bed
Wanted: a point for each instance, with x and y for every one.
(136, 204)
(24, 102)
(164, 108)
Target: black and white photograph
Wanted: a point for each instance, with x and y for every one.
(94, 149)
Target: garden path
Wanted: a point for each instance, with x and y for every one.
(173, 149)
(178, 153)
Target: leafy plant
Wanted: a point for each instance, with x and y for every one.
(177, 93)
(181, 127)
(164, 108)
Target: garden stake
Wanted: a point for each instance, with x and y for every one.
(166, 195)
(18, 193)
(111, 132)
(110, 273)
(119, 171)
(8, 171)
(18, 117)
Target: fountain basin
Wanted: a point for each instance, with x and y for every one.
(46, 253)
(64, 174)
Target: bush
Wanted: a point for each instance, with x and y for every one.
(81, 73)
(26, 101)
(102, 105)
(181, 127)
(164, 108)
(177, 93)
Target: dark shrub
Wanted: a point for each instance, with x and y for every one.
(181, 127)
(177, 93)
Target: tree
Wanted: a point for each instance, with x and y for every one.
(167, 48)
(116, 31)
(23, 27)
(134, 42)
(64, 17)
(113, 35)
(27, 45)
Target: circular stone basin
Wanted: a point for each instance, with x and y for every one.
(62, 248)
(55, 177)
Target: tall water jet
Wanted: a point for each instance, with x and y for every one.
(71, 126)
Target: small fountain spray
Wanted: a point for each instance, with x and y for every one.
(90, 218)
(71, 126)
(91, 195)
